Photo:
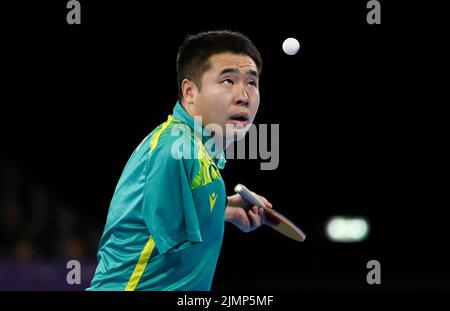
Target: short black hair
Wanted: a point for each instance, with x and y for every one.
(194, 53)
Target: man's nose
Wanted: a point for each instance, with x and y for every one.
(243, 98)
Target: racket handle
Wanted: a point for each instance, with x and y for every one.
(248, 195)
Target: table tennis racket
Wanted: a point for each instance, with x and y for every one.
(274, 219)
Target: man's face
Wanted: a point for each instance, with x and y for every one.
(229, 94)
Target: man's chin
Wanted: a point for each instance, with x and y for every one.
(236, 133)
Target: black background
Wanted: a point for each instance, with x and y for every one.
(360, 110)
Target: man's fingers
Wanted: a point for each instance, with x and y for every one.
(254, 216)
(262, 214)
(265, 201)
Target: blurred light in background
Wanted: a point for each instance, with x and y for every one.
(346, 229)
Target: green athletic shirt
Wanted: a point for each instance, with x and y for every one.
(165, 223)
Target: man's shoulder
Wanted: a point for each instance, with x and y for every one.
(173, 140)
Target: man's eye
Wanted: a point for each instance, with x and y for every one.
(252, 83)
(227, 81)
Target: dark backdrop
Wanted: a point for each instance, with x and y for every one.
(360, 110)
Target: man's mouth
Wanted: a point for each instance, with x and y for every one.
(240, 119)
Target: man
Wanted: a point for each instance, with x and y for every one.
(165, 223)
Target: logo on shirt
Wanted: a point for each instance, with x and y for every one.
(212, 200)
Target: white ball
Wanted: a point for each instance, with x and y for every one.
(291, 46)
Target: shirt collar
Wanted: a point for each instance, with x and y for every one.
(182, 115)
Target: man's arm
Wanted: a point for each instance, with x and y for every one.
(168, 207)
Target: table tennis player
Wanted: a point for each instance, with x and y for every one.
(166, 220)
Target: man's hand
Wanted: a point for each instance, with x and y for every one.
(243, 215)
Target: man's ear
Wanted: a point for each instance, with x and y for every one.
(189, 90)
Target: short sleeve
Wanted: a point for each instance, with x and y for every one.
(168, 207)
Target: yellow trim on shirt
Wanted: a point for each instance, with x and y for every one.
(155, 136)
(140, 266)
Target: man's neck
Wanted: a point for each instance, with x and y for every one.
(219, 140)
